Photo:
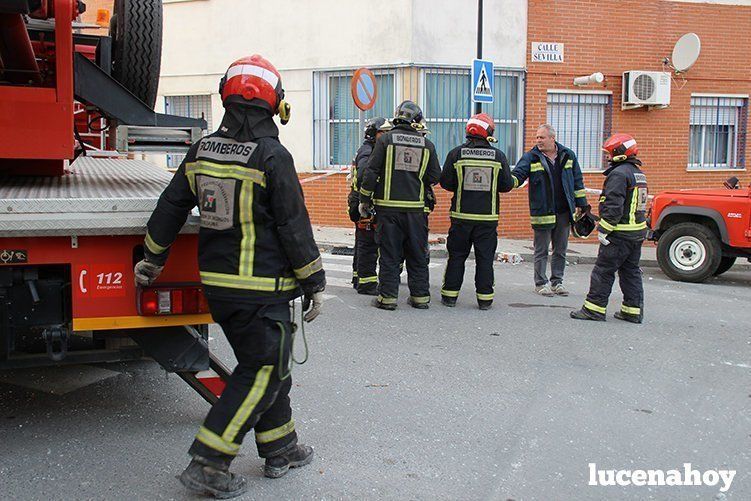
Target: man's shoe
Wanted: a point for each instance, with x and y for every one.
(384, 306)
(419, 306)
(559, 290)
(448, 301)
(634, 319)
(544, 290)
(583, 314)
(205, 479)
(278, 466)
(484, 304)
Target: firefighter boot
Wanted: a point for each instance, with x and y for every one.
(388, 304)
(485, 304)
(278, 466)
(418, 305)
(584, 314)
(634, 319)
(448, 301)
(207, 477)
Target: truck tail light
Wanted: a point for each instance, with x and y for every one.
(171, 301)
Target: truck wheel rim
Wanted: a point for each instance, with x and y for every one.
(687, 253)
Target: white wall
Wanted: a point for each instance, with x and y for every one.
(445, 32)
(202, 37)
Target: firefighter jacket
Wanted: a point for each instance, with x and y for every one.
(534, 167)
(358, 168)
(400, 169)
(255, 240)
(476, 172)
(623, 203)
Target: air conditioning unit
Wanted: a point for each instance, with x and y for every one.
(645, 88)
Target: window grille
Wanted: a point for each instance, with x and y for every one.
(336, 118)
(447, 105)
(191, 107)
(717, 132)
(582, 123)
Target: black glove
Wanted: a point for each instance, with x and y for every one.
(430, 199)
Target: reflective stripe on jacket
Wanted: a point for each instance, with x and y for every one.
(623, 203)
(533, 166)
(403, 164)
(476, 172)
(255, 240)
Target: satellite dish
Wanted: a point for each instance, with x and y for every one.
(686, 52)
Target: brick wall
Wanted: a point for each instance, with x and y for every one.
(644, 32)
(646, 35)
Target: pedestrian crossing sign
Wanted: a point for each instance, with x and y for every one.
(482, 81)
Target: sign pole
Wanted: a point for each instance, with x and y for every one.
(361, 134)
(478, 106)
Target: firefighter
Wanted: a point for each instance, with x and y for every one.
(366, 248)
(621, 230)
(556, 196)
(402, 165)
(256, 253)
(475, 172)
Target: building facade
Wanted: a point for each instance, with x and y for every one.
(422, 50)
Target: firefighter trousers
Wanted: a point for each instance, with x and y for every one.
(367, 259)
(621, 256)
(257, 395)
(462, 237)
(402, 235)
(354, 257)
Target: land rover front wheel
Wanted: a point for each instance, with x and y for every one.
(689, 252)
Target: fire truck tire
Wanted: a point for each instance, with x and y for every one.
(689, 252)
(136, 31)
(726, 263)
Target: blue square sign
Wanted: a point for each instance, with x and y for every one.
(482, 81)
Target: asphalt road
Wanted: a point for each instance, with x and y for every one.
(454, 404)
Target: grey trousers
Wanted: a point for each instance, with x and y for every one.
(559, 237)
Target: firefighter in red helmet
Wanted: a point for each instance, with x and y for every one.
(621, 231)
(256, 253)
(476, 173)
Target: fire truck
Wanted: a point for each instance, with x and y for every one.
(76, 120)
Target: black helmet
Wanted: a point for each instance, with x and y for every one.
(372, 126)
(584, 225)
(408, 113)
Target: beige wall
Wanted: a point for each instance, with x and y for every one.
(201, 37)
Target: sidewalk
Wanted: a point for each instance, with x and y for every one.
(329, 237)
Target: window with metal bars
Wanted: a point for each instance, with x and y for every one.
(336, 122)
(582, 122)
(187, 106)
(717, 132)
(447, 105)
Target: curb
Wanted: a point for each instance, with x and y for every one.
(527, 257)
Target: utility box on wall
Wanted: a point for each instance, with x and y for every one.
(645, 88)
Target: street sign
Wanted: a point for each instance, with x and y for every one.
(482, 81)
(364, 89)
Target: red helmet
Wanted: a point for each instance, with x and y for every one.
(253, 78)
(480, 125)
(620, 146)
